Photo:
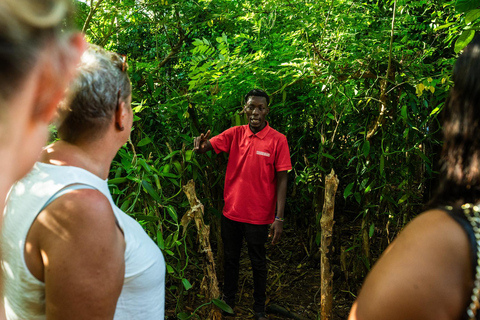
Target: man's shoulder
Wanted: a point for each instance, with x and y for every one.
(276, 134)
(236, 129)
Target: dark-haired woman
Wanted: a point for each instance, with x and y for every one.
(432, 269)
(69, 251)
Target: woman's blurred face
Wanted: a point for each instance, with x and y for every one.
(28, 113)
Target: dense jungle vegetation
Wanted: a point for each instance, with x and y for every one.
(356, 86)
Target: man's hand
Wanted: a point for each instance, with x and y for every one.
(201, 143)
(276, 230)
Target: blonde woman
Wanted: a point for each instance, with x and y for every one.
(37, 62)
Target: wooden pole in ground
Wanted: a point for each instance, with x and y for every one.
(326, 224)
(209, 286)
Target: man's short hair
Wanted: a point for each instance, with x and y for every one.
(257, 93)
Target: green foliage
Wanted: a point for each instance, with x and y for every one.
(325, 65)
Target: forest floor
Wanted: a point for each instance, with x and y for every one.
(293, 287)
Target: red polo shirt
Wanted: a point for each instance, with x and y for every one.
(251, 181)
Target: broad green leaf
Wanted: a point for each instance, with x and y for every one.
(348, 190)
(444, 26)
(188, 155)
(117, 180)
(168, 175)
(363, 184)
(186, 284)
(125, 205)
(144, 142)
(371, 230)
(171, 155)
(144, 164)
(435, 111)
(370, 186)
(366, 148)
(151, 191)
(160, 242)
(403, 198)
(318, 238)
(358, 197)
(472, 15)
(170, 269)
(197, 42)
(326, 155)
(183, 316)
(168, 241)
(222, 305)
(465, 5)
(403, 112)
(178, 166)
(150, 82)
(173, 214)
(157, 181)
(464, 40)
(118, 172)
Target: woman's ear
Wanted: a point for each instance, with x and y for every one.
(120, 113)
(56, 70)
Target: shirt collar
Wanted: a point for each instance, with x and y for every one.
(261, 134)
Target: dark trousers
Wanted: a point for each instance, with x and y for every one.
(233, 233)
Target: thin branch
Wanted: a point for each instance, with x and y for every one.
(90, 14)
(383, 83)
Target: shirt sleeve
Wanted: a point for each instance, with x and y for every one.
(282, 157)
(223, 141)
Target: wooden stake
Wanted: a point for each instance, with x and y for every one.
(209, 286)
(326, 224)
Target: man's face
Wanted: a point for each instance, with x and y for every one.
(256, 110)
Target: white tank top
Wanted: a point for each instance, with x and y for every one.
(143, 292)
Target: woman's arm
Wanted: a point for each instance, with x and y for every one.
(82, 256)
(424, 274)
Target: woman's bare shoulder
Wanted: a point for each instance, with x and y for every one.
(424, 274)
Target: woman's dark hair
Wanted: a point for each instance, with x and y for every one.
(101, 84)
(257, 93)
(460, 160)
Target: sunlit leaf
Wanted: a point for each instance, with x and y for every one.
(186, 284)
(464, 40)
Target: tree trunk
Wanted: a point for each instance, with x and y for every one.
(326, 223)
(209, 286)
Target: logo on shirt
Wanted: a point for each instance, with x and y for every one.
(265, 154)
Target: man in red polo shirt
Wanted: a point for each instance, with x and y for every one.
(255, 187)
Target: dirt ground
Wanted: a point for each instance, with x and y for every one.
(293, 288)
